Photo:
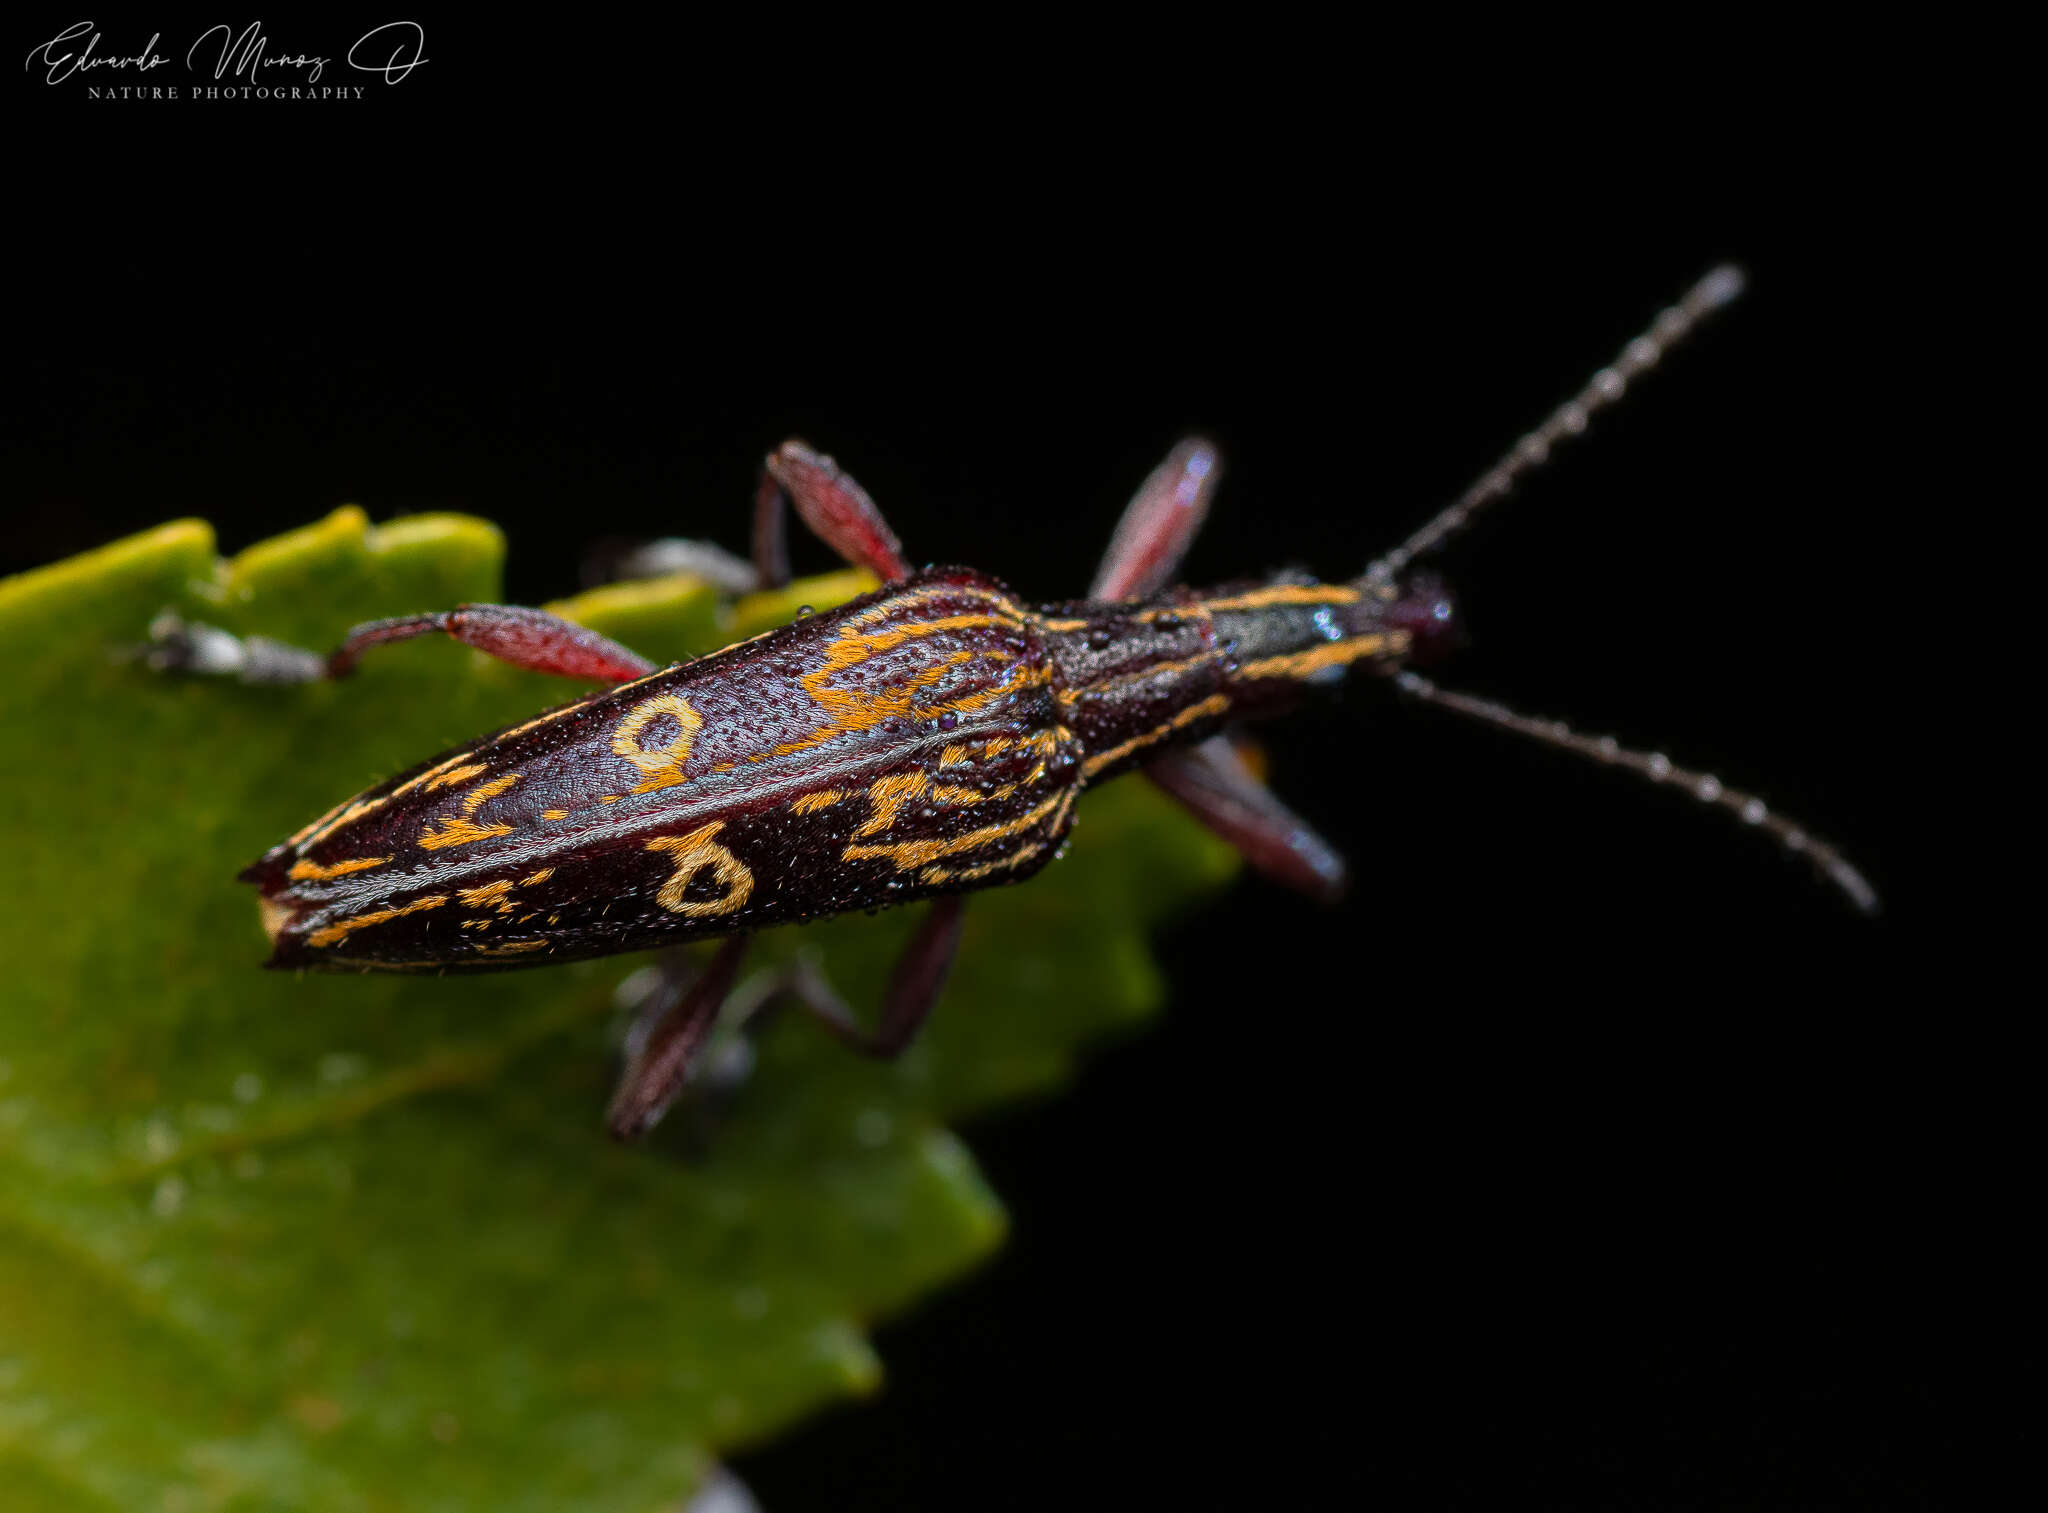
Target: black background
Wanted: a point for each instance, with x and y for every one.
(1593, 1154)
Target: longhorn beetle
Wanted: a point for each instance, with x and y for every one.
(919, 742)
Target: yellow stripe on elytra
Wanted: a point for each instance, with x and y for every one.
(900, 602)
(811, 803)
(456, 831)
(301, 836)
(459, 775)
(1302, 664)
(338, 931)
(489, 893)
(476, 798)
(1216, 703)
(313, 872)
(512, 947)
(564, 712)
(432, 772)
(910, 855)
(1016, 858)
(461, 829)
(889, 795)
(852, 710)
(350, 815)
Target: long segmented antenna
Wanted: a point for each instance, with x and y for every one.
(1569, 419)
(1658, 768)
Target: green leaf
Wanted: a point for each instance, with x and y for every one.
(359, 1242)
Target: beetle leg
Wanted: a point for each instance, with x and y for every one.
(836, 508)
(528, 638)
(771, 532)
(1212, 780)
(669, 1036)
(659, 1051)
(914, 986)
(1158, 523)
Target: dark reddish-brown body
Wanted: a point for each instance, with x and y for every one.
(930, 738)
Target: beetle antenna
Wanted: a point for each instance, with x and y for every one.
(1658, 768)
(1569, 419)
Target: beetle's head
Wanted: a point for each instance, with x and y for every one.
(1428, 613)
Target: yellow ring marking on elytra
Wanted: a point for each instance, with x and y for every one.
(1302, 664)
(338, 931)
(313, 872)
(692, 853)
(662, 766)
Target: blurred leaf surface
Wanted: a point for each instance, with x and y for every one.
(358, 1242)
